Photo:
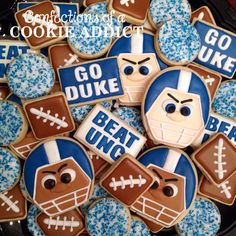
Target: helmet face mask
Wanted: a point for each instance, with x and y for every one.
(175, 118)
(136, 72)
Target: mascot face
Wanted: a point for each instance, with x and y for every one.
(136, 72)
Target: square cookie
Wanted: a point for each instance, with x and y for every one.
(42, 25)
(216, 159)
(127, 180)
(49, 116)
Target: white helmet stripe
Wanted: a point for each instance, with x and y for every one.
(184, 80)
(172, 160)
(52, 151)
(137, 43)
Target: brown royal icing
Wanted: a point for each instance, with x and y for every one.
(224, 193)
(70, 223)
(12, 205)
(203, 13)
(4, 91)
(49, 116)
(212, 80)
(26, 17)
(217, 158)
(127, 180)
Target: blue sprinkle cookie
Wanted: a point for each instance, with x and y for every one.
(13, 125)
(98, 192)
(138, 227)
(30, 75)
(108, 217)
(132, 116)
(177, 42)
(10, 170)
(161, 11)
(80, 112)
(224, 102)
(203, 219)
(31, 221)
(85, 38)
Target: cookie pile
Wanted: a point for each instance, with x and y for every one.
(126, 134)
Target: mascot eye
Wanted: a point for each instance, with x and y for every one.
(169, 106)
(49, 181)
(145, 70)
(186, 110)
(155, 185)
(128, 69)
(67, 176)
(170, 190)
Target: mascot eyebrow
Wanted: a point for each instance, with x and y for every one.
(160, 177)
(139, 62)
(53, 172)
(184, 101)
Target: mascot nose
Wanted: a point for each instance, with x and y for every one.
(176, 116)
(59, 188)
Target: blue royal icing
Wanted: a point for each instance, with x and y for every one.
(132, 116)
(83, 37)
(9, 170)
(162, 11)
(218, 49)
(224, 102)
(38, 158)
(88, 82)
(138, 227)
(30, 76)
(203, 219)
(178, 41)
(11, 123)
(31, 221)
(107, 217)
(80, 112)
(13, 98)
(98, 192)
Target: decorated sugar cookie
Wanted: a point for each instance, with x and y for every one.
(70, 223)
(203, 13)
(91, 82)
(138, 227)
(135, 11)
(13, 125)
(216, 158)
(212, 80)
(107, 216)
(127, 180)
(31, 221)
(138, 64)
(203, 219)
(218, 48)
(30, 76)
(12, 97)
(177, 42)
(154, 227)
(98, 192)
(175, 182)
(33, 17)
(58, 175)
(87, 3)
(108, 136)
(12, 205)
(225, 101)
(161, 11)
(49, 116)
(176, 107)
(224, 193)
(4, 91)
(10, 170)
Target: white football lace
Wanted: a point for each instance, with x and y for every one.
(210, 80)
(73, 58)
(61, 223)
(7, 200)
(226, 189)
(54, 119)
(219, 154)
(31, 19)
(127, 182)
(126, 2)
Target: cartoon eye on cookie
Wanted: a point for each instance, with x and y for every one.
(174, 188)
(176, 107)
(58, 175)
(138, 64)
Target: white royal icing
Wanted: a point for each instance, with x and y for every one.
(7, 200)
(209, 80)
(126, 2)
(219, 163)
(54, 119)
(226, 189)
(73, 58)
(127, 182)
